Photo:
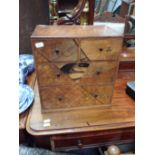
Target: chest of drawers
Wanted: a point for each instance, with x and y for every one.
(76, 65)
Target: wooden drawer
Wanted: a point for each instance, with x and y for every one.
(67, 97)
(96, 139)
(96, 73)
(57, 50)
(102, 49)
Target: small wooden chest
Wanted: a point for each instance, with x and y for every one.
(76, 65)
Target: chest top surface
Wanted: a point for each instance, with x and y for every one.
(44, 31)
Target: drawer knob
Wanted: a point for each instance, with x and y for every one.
(60, 98)
(80, 145)
(95, 95)
(113, 150)
(58, 75)
(98, 72)
(57, 51)
(101, 49)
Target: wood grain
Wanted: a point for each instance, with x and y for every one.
(43, 31)
(98, 53)
(102, 49)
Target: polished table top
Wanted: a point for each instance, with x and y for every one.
(120, 115)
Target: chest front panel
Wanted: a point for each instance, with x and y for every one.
(75, 73)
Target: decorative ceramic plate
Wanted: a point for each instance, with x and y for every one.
(26, 66)
(26, 97)
(131, 84)
(27, 60)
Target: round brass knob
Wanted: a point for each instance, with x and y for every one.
(113, 150)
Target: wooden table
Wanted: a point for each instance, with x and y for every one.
(23, 116)
(85, 128)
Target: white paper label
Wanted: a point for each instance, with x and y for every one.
(47, 120)
(46, 123)
(39, 45)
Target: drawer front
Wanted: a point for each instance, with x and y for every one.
(102, 49)
(97, 139)
(67, 97)
(94, 73)
(57, 50)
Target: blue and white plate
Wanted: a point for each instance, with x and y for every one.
(26, 67)
(131, 84)
(27, 60)
(26, 97)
